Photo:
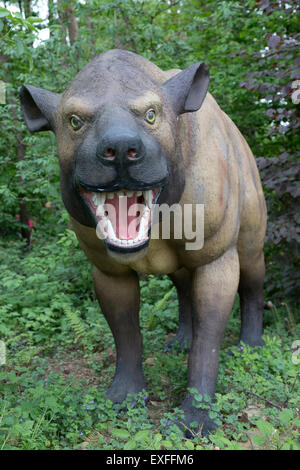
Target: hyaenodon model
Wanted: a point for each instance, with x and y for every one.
(131, 135)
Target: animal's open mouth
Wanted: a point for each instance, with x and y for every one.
(123, 217)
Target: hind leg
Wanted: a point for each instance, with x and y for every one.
(183, 283)
(252, 273)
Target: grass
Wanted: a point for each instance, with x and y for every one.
(60, 357)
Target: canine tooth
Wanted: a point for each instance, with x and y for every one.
(139, 193)
(100, 211)
(146, 213)
(95, 199)
(148, 198)
(143, 227)
(100, 199)
(110, 195)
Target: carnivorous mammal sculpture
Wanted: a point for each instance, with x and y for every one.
(130, 134)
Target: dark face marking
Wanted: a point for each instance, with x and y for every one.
(119, 153)
(117, 134)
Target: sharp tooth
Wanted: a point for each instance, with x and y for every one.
(94, 199)
(110, 195)
(100, 211)
(139, 193)
(100, 199)
(129, 193)
(143, 227)
(148, 198)
(146, 213)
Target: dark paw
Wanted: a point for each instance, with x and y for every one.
(181, 342)
(240, 346)
(253, 342)
(120, 389)
(197, 423)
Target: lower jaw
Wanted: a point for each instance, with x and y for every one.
(126, 249)
(128, 256)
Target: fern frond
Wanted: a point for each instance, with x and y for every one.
(75, 322)
(158, 307)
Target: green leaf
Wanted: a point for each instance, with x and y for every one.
(259, 440)
(142, 435)
(290, 445)
(207, 398)
(120, 433)
(4, 12)
(34, 19)
(265, 428)
(285, 416)
(130, 445)
(167, 444)
(189, 445)
(18, 15)
(51, 403)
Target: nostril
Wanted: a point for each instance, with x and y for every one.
(131, 153)
(109, 153)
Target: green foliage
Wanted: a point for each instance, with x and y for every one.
(250, 48)
(58, 359)
(269, 436)
(35, 288)
(76, 323)
(58, 343)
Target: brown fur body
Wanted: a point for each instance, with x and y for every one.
(210, 163)
(235, 212)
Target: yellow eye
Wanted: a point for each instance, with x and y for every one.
(76, 123)
(150, 116)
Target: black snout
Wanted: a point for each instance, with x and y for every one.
(120, 147)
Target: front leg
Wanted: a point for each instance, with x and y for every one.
(119, 299)
(213, 291)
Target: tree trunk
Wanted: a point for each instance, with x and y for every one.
(27, 8)
(23, 207)
(19, 143)
(61, 20)
(68, 20)
(71, 22)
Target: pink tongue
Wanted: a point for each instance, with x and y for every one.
(124, 226)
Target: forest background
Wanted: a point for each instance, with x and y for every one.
(47, 309)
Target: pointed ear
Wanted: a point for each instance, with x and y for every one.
(188, 88)
(39, 107)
